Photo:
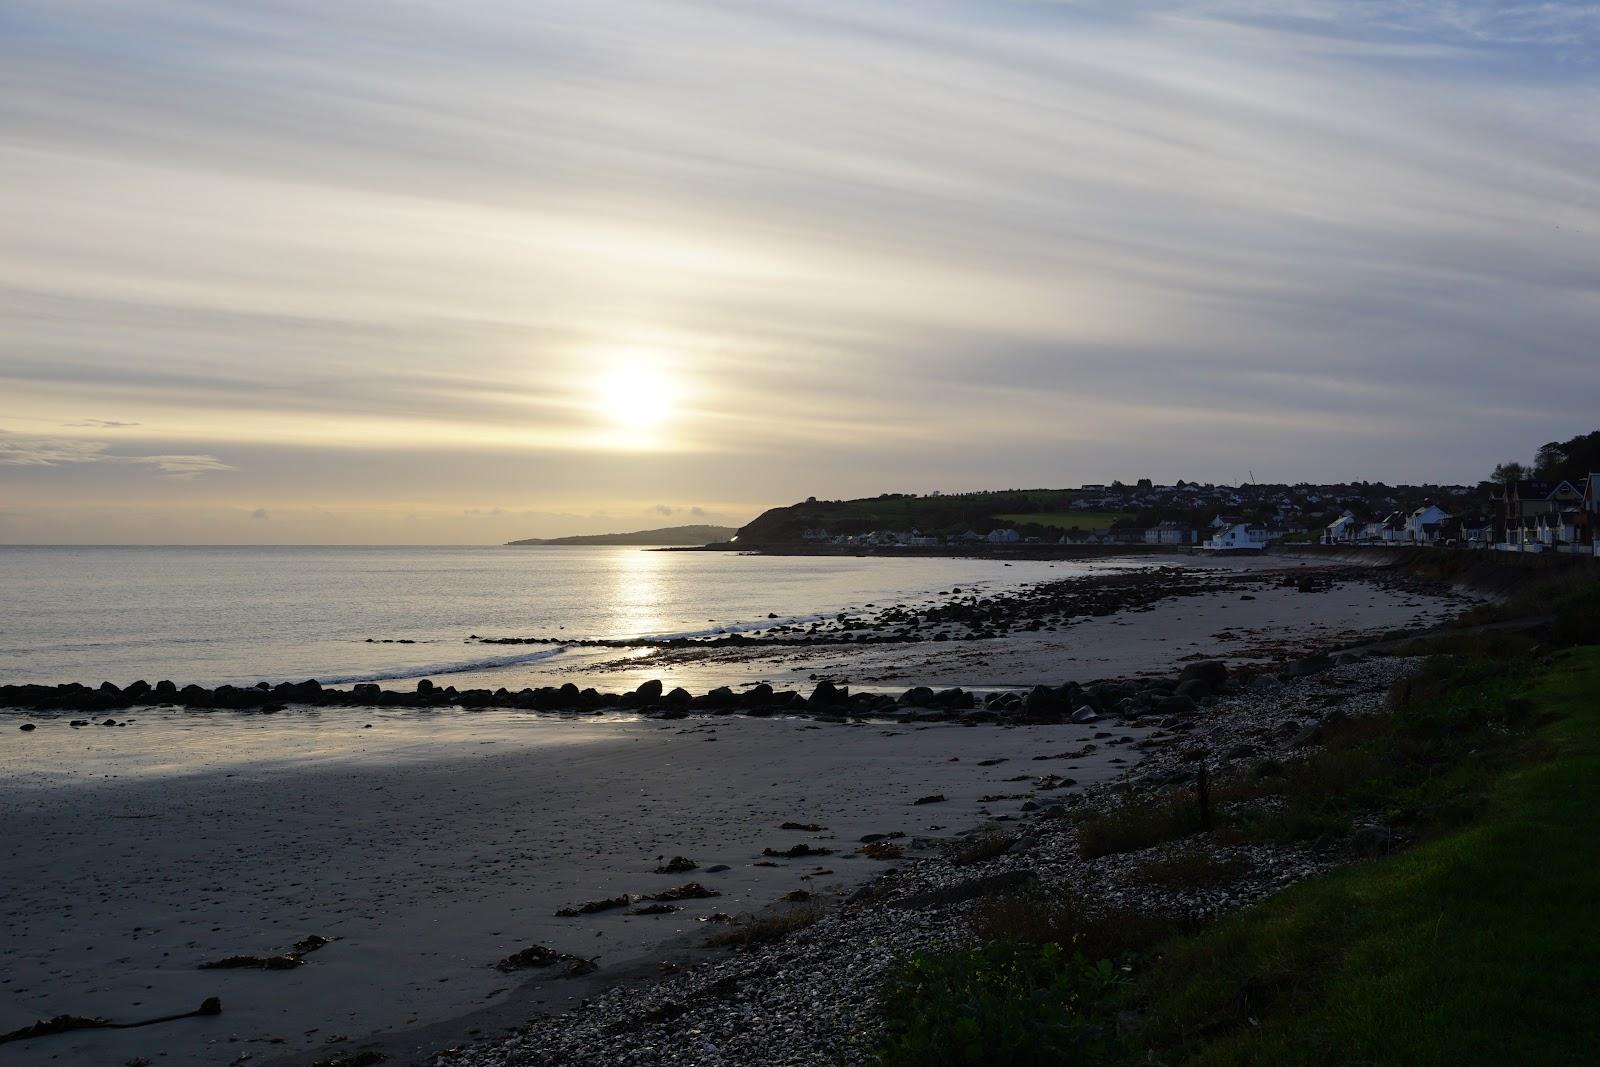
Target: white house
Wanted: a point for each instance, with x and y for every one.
(1424, 525)
(1240, 537)
(1342, 530)
(1004, 537)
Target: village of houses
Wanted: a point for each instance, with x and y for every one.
(1525, 515)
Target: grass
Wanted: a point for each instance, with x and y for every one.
(1474, 945)
(1014, 1004)
(769, 928)
(1066, 520)
(1041, 919)
(1477, 946)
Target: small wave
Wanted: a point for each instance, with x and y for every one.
(457, 667)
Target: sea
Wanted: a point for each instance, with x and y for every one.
(246, 614)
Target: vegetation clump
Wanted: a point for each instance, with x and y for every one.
(1009, 1003)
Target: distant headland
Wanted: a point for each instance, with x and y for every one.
(670, 535)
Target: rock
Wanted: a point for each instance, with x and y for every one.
(1042, 704)
(677, 865)
(27, 727)
(934, 798)
(1305, 667)
(678, 699)
(1085, 714)
(1214, 673)
(718, 868)
(1372, 841)
(1175, 705)
(649, 692)
(806, 827)
(1193, 688)
(917, 697)
(827, 695)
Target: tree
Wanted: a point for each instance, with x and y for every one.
(1506, 473)
(1549, 460)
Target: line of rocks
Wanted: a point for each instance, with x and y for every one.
(1043, 704)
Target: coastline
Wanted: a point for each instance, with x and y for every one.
(746, 746)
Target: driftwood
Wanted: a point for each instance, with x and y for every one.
(63, 1023)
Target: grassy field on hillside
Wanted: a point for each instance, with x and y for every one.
(1066, 520)
(1477, 945)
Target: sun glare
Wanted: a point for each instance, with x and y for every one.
(637, 395)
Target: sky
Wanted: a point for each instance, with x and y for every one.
(285, 271)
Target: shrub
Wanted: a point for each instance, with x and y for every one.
(1001, 1003)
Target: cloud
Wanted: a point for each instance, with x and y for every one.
(103, 424)
(993, 243)
(664, 509)
(260, 513)
(19, 450)
(698, 512)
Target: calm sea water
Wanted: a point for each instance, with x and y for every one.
(239, 615)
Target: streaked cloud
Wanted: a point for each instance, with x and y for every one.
(375, 247)
(18, 450)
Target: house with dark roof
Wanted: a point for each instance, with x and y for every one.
(1525, 502)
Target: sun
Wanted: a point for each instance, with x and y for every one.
(637, 394)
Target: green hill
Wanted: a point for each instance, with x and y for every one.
(936, 515)
(670, 535)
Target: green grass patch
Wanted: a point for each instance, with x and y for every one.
(1476, 946)
(1002, 1003)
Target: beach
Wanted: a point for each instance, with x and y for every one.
(426, 849)
(427, 843)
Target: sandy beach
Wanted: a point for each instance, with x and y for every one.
(427, 847)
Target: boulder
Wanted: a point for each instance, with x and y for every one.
(1214, 673)
(826, 695)
(1175, 705)
(649, 692)
(1085, 714)
(1042, 704)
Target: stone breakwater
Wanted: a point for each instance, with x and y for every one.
(1070, 701)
